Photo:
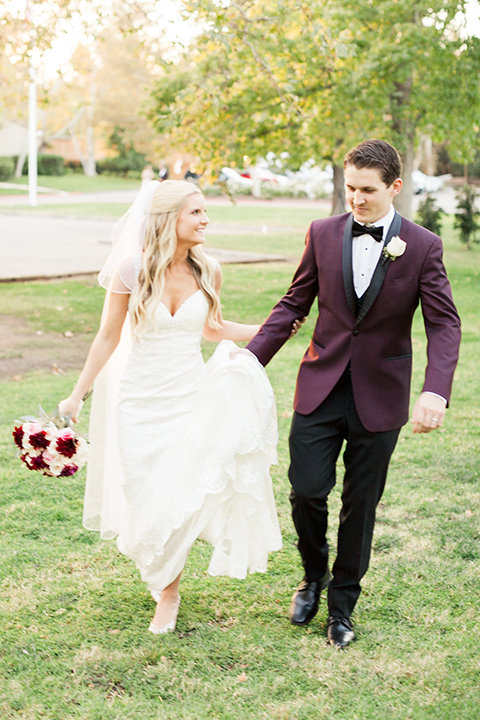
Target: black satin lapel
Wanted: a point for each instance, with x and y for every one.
(347, 266)
(394, 228)
(380, 271)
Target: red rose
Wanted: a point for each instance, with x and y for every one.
(39, 440)
(18, 437)
(67, 446)
(68, 470)
(26, 459)
(37, 463)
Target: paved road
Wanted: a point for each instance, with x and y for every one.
(45, 246)
(445, 199)
(38, 246)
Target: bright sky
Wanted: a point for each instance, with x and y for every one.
(473, 18)
(167, 24)
(166, 20)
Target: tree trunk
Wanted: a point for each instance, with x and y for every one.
(257, 184)
(404, 201)
(338, 199)
(22, 157)
(78, 149)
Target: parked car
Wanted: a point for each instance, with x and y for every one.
(230, 175)
(428, 183)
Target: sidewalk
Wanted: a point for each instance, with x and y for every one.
(43, 247)
(127, 196)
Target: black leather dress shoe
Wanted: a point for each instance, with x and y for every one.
(305, 601)
(340, 632)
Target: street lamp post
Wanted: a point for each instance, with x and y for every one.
(32, 134)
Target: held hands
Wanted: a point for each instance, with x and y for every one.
(428, 413)
(297, 324)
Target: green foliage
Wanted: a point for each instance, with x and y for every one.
(429, 216)
(467, 215)
(314, 79)
(7, 168)
(127, 161)
(51, 165)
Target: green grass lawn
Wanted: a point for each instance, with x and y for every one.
(75, 182)
(74, 613)
(236, 214)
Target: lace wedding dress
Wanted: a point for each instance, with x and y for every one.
(190, 454)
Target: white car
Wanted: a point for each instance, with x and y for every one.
(231, 175)
(428, 183)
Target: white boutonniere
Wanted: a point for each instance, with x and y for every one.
(394, 249)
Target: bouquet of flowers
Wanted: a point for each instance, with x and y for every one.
(50, 445)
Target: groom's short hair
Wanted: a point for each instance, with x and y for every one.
(376, 154)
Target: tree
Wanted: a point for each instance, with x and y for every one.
(414, 66)
(429, 216)
(106, 81)
(252, 82)
(316, 78)
(467, 216)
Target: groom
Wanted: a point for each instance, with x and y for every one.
(367, 270)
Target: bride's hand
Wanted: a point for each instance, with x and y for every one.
(297, 324)
(240, 351)
(70, 407)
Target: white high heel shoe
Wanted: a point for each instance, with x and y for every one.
(169, 627)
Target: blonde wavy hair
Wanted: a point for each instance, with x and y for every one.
(159, 250)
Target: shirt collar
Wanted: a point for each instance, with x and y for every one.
(384, 222)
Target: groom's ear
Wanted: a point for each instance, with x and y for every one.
(396, 186)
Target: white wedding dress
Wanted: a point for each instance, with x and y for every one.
(190, 454)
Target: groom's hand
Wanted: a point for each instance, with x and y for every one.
(428, 413)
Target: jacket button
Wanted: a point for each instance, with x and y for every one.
(356, 332)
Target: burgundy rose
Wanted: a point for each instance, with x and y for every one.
(26, 459)
(68, 470)
(66, 446)
(37, 463)
(39, 440)
(18, 437)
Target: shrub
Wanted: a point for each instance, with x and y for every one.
(429, 216)
(128, 161)
(7, 168)
(131, 161)
(466, 217)
(47, 165)
(74, 166)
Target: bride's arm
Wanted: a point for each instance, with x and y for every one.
(228, 330)
(100, 351)
(236, 331)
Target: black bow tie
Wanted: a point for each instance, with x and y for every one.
(375, 232)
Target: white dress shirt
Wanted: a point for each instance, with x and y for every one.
(366, 253)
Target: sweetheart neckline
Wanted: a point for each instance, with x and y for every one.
(181, 304)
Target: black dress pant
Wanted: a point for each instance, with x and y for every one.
(315, 444)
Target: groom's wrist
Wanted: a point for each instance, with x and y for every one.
(429, 392)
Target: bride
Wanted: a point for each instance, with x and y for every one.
(180, 449)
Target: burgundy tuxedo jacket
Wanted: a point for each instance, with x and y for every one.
(377, 341)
